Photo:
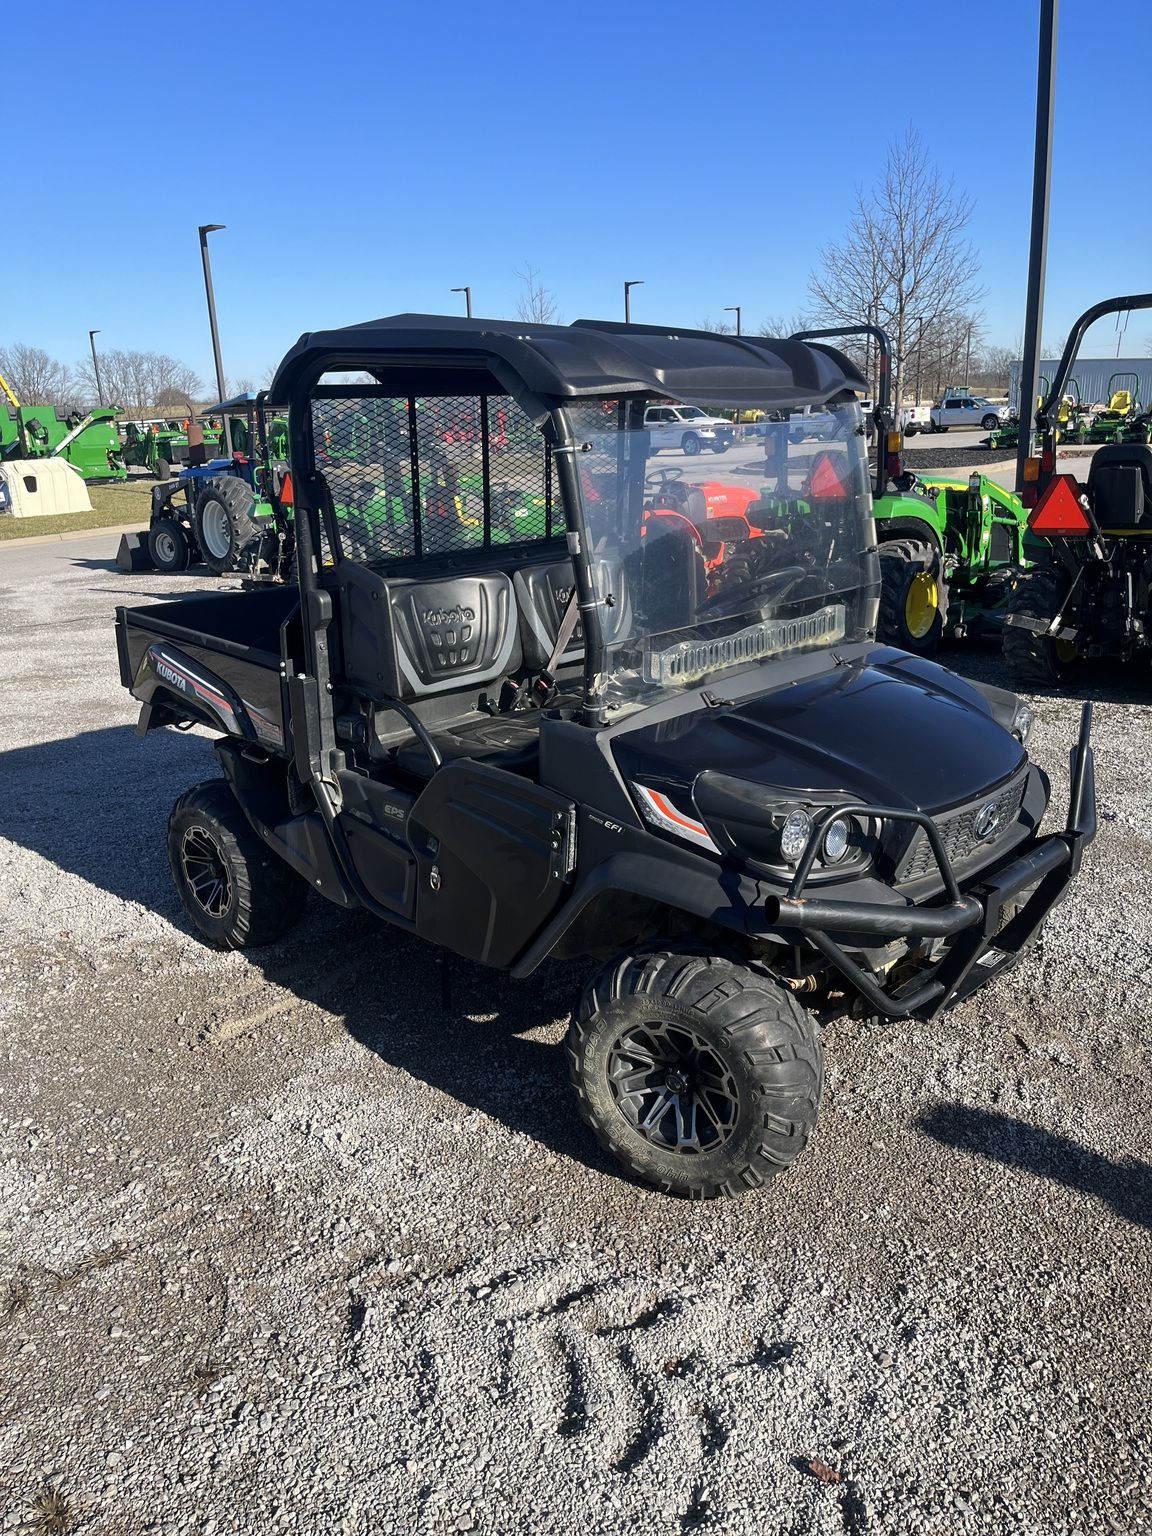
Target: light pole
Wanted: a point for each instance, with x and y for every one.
(919, 357)
(205, 231)
(1038, 246)
(92, 335)
(467, 292)
(734, 309)
(636, 282)
(967, 353)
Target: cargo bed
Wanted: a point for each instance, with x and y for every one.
(220, 660)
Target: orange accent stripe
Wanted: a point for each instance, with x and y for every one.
(668, 809)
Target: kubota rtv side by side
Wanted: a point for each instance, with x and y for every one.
(524, 703)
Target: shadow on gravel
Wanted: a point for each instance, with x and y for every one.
(386, 988)
(96, 804)
(1108, 682)
(1126, 1186)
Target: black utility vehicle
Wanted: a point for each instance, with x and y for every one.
(716, 782)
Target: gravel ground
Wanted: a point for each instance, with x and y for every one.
(284, 1246)
(1000, 463)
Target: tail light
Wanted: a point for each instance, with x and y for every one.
(1030, 490)
(894, 446)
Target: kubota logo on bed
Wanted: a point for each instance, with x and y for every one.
(169, 674)
(440, 616)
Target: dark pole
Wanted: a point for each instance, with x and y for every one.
(1038, 250)
(92, 335)
(205, 231)
(467, 292)
(734, 309)
(636, 282)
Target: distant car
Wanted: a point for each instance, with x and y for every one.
(966, 411)
(813, 421)
(688, 428)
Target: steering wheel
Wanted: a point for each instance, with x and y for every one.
(659, 478)
(784, 578)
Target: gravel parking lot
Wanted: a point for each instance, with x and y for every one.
(286, 1246)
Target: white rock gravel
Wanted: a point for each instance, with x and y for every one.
(285, 1247)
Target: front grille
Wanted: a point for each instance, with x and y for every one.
(958, 832)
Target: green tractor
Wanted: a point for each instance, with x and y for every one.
(949, 549)
(157, 446)
(90, 443)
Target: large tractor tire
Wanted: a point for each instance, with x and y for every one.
(700, 1075)
(1031, 657)
(236, 893)
(225, 527)
(913, 595)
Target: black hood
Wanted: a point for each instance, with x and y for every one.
(889, 729)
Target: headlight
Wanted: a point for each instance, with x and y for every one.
(836, 840)
(794, 835)
(1022, 723)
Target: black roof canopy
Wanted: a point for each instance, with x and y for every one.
(434, 354)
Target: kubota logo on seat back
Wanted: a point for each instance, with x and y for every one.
(448, 616)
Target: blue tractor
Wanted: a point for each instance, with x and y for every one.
(227, 511)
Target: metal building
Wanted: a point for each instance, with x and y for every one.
(1093, 375)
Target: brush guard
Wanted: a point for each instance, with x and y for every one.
(983, 942)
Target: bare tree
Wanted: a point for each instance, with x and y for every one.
(140, 382)
(904, 262)
(785, 325)
(993, 373)
(536, 303)
(717, 327)
(34, 377)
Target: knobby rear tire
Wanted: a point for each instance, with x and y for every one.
(902, 563)
(1031, 658)
(264, 897)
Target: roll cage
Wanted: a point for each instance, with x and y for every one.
(544, 371)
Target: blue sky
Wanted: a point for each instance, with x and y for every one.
(367, 158)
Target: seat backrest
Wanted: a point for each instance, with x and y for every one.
(1121, 402)
(416, 639)
(1120, 485)
(542, 595)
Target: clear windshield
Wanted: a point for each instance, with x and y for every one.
(709, 558)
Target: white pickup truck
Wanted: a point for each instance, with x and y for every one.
(958, 410)
(688, 428)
